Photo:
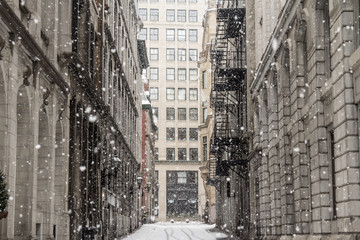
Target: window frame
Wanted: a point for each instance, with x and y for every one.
(170, 114)
(168, 152)
(152, 34)
(181, 17)
(170, 134)
(182, 134)
(195, 132)
(193, 18)
(169, 94)
(172, 19)
(181, 54)
(169, 56)
(155, 55)
(168, 36)
(184, 91)
(152, 93)
(151, 73)
(169, 74)
(192, 114)
(181, 37)
(191, 94)
(193, 36)
(182, 116)
(154, 14)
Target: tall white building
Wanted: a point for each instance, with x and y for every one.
(173, 30)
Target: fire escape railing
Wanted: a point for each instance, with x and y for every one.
(229, 146)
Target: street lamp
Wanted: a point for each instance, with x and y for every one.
(139, 181)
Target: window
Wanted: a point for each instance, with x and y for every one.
(193, 35)
(154, 93)
(170, 73)
(204, 83)
(181, 177)
(170, 15)
(154, 34)
(170, 134)
(192, 16)
(170, 54)
(192, 1)
(193, 134)
(143, 34)
(182, 94)
(143, 14)
(170, 34)
(205, 148)
(182, 74)
(170, 113)
(204, 114)
(182, 54)
(181, 15)
(193, 114)
(193, 74)
(154, 54)
(331, 157)
(156, 154)
(182, 134)
(170, 93)
(181, 113)
(193, 94)
(193, 154)
(181, 1)
(170, 0)
(170, 154)
(154, 0)
(181, 35)
(154, 73)
(154, 14)
(155, 113)
(182, 154)
(193, 54)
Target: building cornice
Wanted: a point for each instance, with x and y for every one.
(15, 26)
(284, 20)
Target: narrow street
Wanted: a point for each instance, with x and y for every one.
(177, 231)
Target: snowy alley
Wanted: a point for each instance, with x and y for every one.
(176, 231)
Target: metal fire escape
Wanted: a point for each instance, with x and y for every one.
(229, 146)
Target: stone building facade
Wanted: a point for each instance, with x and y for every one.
(70, 118)
(303, 60)
(206, 119)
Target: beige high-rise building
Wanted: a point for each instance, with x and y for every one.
(173, 30)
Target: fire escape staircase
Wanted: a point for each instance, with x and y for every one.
(229, 146)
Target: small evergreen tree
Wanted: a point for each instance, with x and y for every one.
(4, 195)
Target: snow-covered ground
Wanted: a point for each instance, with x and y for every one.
(176, 231)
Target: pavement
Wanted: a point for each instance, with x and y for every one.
(178, 231)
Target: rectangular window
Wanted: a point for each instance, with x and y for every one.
(170, 34)
(170, 134)
(193, 35)
(182, 134)
(193, 74)
(143, 34)
(182, 94)
(192, 1)
(181, 1)
(170, 154)
(170, 15)
(181, 15)
(182, 154)
(154, 93)
(182, 54)
(181, 177)
(204, 148)
(170, 114)
(154, 73)
(170, 54)
(155, 113)
(154, 0)
(154, 34)
(181, 35)
(181, 113)
(193, 154)
(204, 83)
(204, 115)
(170, 93)
(170, 73)
(193, 94)
(154, 14)
(192, 15)
(193, 114)
(182, 74)
(193, 54)
(143, 14)
(156, 154)
(154, 54)
(193, 134)
(170, 0)
(331, 156)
